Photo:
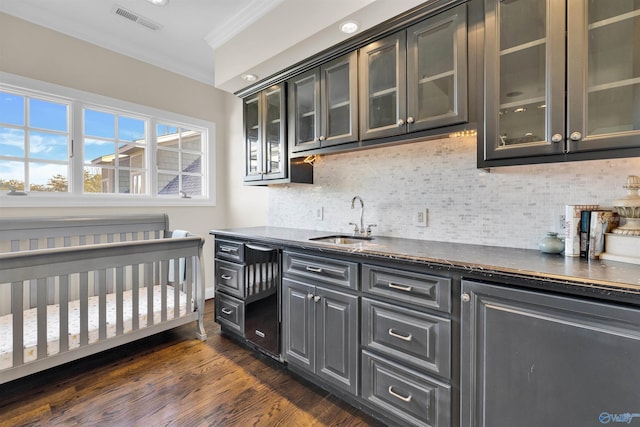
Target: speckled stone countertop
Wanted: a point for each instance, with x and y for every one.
(596, 278)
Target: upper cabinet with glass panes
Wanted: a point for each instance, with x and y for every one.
(548, 97)
(415, 79)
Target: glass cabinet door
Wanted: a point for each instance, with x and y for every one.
(339, 100)
(382, 87)
(253, 138)
(274, 133)
(304, 109)
(604, 101)
(524, 72)
(437, 71)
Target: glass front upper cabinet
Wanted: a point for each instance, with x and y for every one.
(415, 79)
(323, 107)
(603, 74)
(529, 110)
(264, 130)
(524, 103)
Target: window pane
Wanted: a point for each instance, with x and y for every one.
(191, 163)
(191, 140)
(11, 109)
(92, 180)
(97, 123)
(130, 129)
(47, 177)
(168, 160)
(168, 183)
(11, 142)
(43, 145)
(47, 115)
(99, 152)
(192, 184)
(164, 129)
(11, 175)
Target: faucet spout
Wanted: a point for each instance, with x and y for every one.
(353, 205)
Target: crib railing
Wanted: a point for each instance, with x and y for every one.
(78, 272)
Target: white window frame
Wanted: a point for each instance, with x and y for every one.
(81, 100)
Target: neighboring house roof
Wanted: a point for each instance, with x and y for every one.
(190, 184)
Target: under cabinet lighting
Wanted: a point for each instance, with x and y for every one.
(349, 27)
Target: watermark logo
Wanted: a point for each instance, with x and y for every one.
(625, 418)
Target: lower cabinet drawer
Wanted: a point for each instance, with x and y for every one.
(406, 395)
(230, 312)
(420, 339)
(230, 278)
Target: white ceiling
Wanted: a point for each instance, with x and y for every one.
(244, 36)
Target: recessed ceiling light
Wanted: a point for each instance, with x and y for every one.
(250, 77)
(349, 27)
(159, 2)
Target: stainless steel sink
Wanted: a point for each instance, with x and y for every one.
(341, 239)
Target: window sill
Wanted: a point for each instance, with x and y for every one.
(42, 200)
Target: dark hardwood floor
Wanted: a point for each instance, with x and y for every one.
(172, 379)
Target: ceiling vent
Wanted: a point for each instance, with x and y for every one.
(134, 17)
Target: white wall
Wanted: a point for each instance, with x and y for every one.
(32, 51)
(511, 206)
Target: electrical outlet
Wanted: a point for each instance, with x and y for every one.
(420, 218)
(563, 222)
(320, 213)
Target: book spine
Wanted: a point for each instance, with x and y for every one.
(585, 225)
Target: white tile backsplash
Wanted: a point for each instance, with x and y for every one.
(509, 206)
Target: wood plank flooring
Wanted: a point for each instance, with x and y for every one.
(172, 379)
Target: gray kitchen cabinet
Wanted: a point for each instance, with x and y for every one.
(265, 138)
(415, 79)
(320, 324)
(545, 97)
(323, 105)
(538, 359)
(406, 336)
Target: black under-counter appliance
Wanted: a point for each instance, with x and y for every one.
(247, 292)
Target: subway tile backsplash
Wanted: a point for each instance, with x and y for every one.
(509, 206)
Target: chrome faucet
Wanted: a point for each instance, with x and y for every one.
(360, 230)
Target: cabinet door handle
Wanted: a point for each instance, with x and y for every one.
(314, 269)
(316, 298)
(309, 296)
(400, 287)
(575, 136)
(410, 120)
(322, 138)
(226, 311)
(400, 122)
(556, 137)
(260, 333)
(400, 336)
(466, 297)
(225, 277)
(399, 396)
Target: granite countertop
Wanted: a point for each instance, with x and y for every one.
(600, 276)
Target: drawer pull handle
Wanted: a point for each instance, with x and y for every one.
(399, 396)
(226, 311)
(227, 249)
(314, 269)
(260, 333)
(226, 277)
(400, 287)
(400, 336)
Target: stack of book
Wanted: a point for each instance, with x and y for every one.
(586, 226)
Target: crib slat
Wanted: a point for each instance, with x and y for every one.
(42, 318)
(189, 281)
(149, 277)
(135, 292)
(102, 304)
(33, 285)
(84, 308)
(17, 307)
(176, 287)
(119, 300)
(164, 269)
(63, 284)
